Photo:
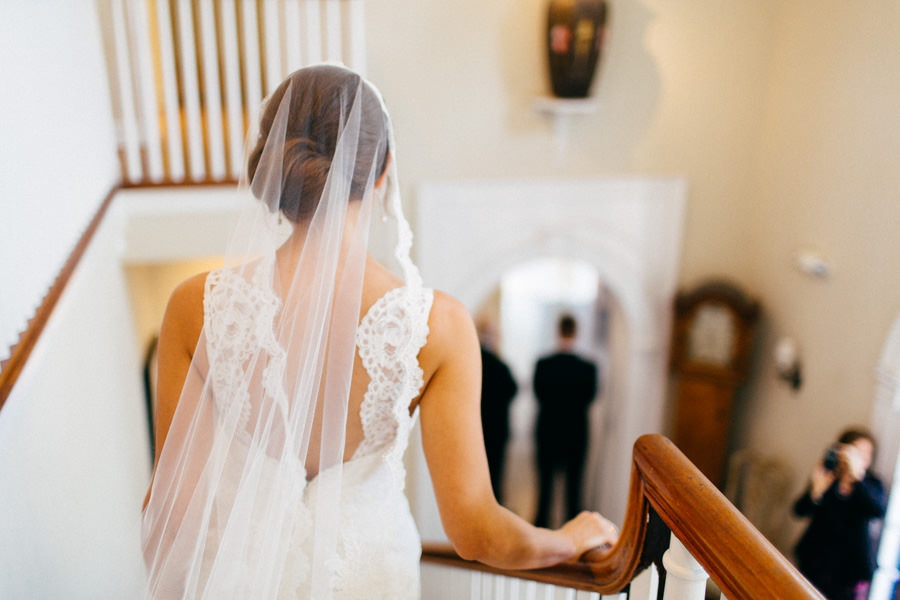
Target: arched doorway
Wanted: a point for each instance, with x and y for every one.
(518, 322)
(469, 234)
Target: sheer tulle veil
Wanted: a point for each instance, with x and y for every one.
(260, 431)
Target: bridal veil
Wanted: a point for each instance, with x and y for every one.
(254, 457)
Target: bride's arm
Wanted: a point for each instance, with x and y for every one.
(178, 337)
(478, 527)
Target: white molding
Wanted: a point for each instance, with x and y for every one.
(470, 232)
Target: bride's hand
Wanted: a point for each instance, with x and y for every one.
(590, 530)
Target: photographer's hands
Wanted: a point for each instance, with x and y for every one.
(853, 463)
(819, 482)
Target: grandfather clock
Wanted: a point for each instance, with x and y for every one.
(712, 340)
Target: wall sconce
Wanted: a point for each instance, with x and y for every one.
(575, 34)
(787, 362)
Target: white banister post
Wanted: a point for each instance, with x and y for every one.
(645, 585)
(685, 578)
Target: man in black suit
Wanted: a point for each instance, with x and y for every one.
(565, 385)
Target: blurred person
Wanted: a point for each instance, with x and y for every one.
(565, 384)
(498, 388)
(836, 552)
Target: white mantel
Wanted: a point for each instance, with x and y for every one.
(469, 233)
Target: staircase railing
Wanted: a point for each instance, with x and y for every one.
(186, 76)
(678, 530)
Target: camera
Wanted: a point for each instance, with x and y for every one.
(830, 461)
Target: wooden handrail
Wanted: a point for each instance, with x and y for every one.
(668, 492)
(11, 368)
(742, 562)
(173, 183)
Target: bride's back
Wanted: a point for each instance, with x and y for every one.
(294, 370)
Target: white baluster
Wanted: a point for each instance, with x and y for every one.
(234, 109)
(356, 35)
(136, 13)
(486, 586)
(500, 584)
(127, 120)
(211, 89)
(332, 27)
(645, 585)
(475, 591)
(543, 591)
(515, 588)
(170, 93)
(272, 41)
(565, 593)
(293, 40)
(190, 89)
(312, 21)
(253, 92)
(685, 578)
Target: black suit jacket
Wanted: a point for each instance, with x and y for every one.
(565, 385)
(498, 388)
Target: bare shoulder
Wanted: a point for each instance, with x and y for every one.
(184, 313)
(451, 331)
(448, 314)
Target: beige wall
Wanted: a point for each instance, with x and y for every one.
(827, 179)
(782, 116)
(680, 91)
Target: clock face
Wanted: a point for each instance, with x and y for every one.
(711, 338)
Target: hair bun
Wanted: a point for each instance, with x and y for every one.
(320, 99)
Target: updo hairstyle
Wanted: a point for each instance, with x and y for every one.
(320, 103)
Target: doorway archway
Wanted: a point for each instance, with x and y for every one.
(470, 233)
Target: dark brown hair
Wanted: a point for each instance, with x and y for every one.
(851, 434)
(320, 103)
(567, 326)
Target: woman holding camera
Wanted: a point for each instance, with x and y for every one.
(835, 552)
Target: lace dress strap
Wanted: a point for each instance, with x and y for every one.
(389, 339)
(237, 320)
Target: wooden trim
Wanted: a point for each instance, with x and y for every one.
(667, 487)
(21, 350)
(166, 183)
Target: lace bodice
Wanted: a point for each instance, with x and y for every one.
(378, 546)
(238, 317)
(389, 339)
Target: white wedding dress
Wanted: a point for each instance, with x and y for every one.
(378, 546)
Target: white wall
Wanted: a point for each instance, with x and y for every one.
(828, 181)
(57, 156)
(680, 92)
(74, 446)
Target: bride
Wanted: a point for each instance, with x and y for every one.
(289, 381)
